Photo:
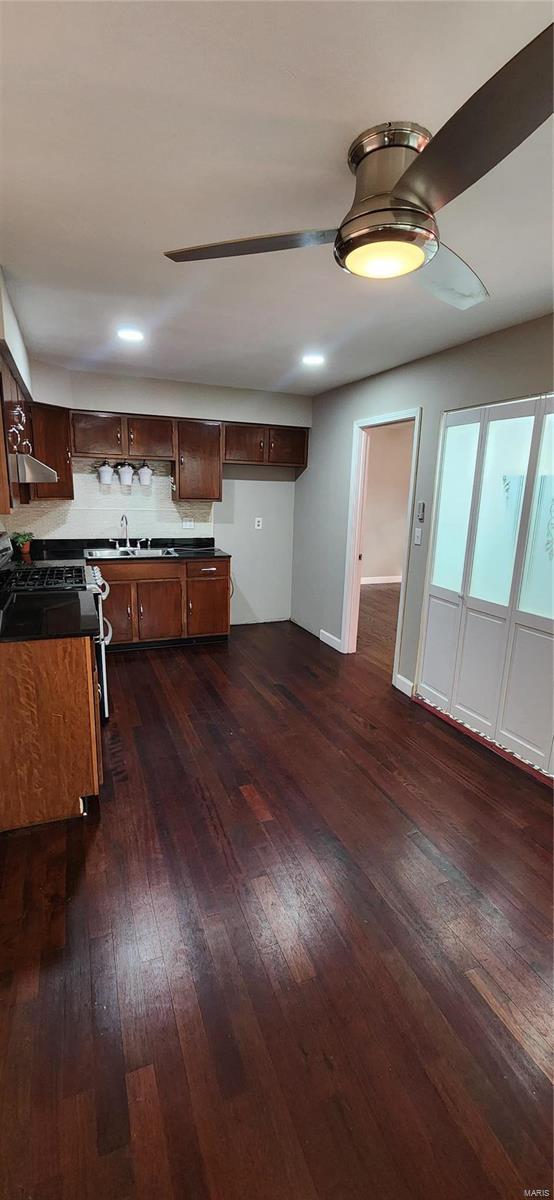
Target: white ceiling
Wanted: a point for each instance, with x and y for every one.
(133, 128)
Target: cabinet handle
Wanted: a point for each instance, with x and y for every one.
(128, 612)
(202, 569)
(181, 460)
(119, 435)
(68, 454)
(273, 445)
(261, 445)
(131, 435)
(141, 610)
(190, 605)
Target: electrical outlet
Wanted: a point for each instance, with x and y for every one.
(258, 522)
(188, 523)
(417, 536)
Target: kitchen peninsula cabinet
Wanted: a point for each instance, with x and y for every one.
(49, 715)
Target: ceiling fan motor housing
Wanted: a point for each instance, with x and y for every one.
(378, 158)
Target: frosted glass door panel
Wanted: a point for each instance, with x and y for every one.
(460, 453)
(502, 488)
(537, 588)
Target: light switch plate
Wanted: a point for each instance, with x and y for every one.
(417, 536)
(188, 523)
(258, 522)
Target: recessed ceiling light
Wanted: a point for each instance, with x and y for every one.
(313, 360)
(130, 335)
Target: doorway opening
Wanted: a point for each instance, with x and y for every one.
(382, 487)
(383, 540)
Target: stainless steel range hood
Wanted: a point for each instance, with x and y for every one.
(26, 469)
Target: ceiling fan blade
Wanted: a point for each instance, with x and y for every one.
(449, 278)
(255, 245)
(492, 123)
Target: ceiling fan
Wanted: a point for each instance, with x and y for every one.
(404, 176)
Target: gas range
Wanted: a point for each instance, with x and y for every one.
(58, 576)
(48, 578)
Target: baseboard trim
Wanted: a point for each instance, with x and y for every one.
(381, 579)
(331, 640)
(404, 685)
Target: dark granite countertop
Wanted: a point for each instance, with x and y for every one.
(71, 548)
(41, 615)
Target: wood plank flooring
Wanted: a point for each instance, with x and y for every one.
(303, 955)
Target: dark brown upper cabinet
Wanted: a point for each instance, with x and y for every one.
(199, 462)
(288, 447)
(245, 443)
(150, 437)
(52, 445)
(99, 433)
(18, 428)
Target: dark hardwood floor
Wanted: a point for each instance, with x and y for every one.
(303, 955)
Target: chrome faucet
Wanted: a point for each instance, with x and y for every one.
(125, 527)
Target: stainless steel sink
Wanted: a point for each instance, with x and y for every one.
(132, 552)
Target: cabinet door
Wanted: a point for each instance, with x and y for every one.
(245, 443)
(119, 609)
(160, 609)
(150, 437)
(288, 447)
(51, 439)
(98, 433)
(199, 460)
(208, 606)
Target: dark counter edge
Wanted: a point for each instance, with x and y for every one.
(44, 549)
(26, 617)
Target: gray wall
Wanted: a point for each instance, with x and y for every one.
(514, 362)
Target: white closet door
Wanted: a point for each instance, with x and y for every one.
(486, 606)
(526, 709)
(444, 600)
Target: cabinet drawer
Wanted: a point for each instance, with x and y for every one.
(139, 569)
(208, 569)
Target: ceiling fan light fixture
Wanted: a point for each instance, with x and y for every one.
(389, 248)
(384, 260)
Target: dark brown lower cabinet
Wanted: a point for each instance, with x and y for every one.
(208, 606)
(118, 608)
(150, 601)
(159, 609)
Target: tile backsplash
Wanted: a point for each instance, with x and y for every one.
(96, 509)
